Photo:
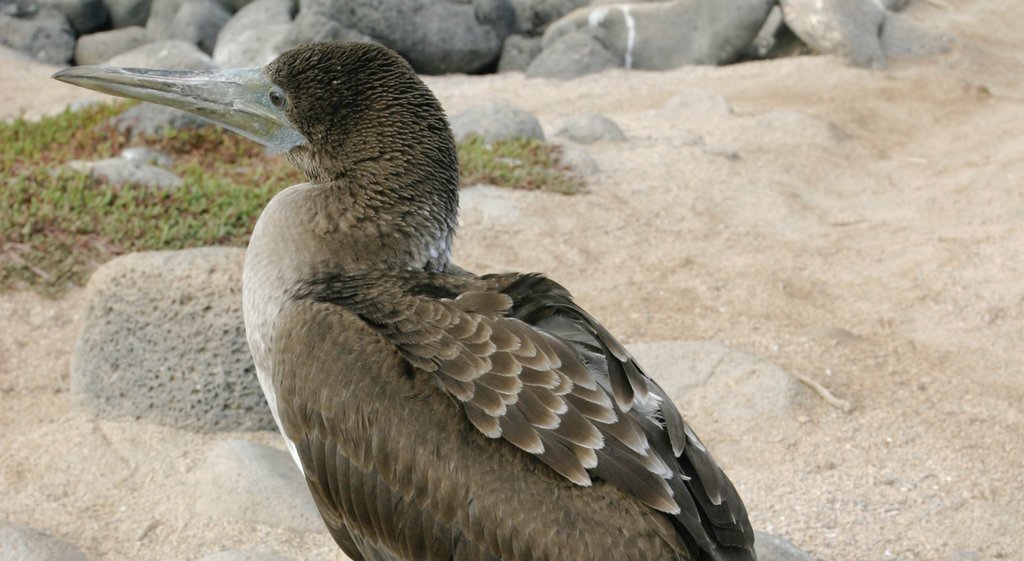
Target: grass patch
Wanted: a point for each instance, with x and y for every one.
(57, 225)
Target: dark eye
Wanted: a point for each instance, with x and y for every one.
(277, 98)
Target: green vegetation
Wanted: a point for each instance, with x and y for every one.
(57, 225)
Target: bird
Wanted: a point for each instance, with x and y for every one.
(435, 414)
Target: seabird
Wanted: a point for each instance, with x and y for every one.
(436, 414)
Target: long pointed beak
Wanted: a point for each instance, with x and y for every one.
(236, 98)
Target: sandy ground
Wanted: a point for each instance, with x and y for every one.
(870, 236)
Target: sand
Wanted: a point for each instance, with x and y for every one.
(870, 236)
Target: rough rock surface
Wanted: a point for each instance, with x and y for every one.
(120, 171)
(572, 56)
(518, 52)
(435, 36)
(163, 339)
(247, 482)
(849, 28)
(770, 547)
(586, 129)
(245, 555)
(126, 13)
(196, 21)
(255, 35)
(45, 35)
(311, 26)
(22, 543)
(105, 45)
(664, 35)
(175, 54)
(721, 383)
(496, 121)
(902, 38)
(532, 16)
(18, 8)
(85, 16)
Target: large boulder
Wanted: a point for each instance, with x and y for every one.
(105, 45)
(518, 52)
(665, 35)
(435, 36)
(573, 55)
(533, 16)
(85, 16)
(255, 35)
(496, 121)
(163, 340)
(848, 28)
(196, 21)
(44, 35)
(126, 13)
(174, 54)
(902, 38)
(310, 26)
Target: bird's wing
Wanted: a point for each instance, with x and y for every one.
(530, 366)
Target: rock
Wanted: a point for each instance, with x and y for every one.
(705, 103)
(126, 13)
(22, 543)
(535, 15)
(18, 8)
(196, 21)
(719, 382)
(173, 54)
(148, 156)
(163, 340)
(252, 483)
(848, 28)
(45, 36)
(895, 5)
(518, 52)
(85, 16)
(767, 36)
(770, 547)
(154, 120)
(105, 45)
(586, 129)
(902, 38)
(578, 160)
(120, 171)
(240, 555)
(435, 36)
(572, 56)
(665, 35)
(495, 121)
(311, 27)
(255, 35)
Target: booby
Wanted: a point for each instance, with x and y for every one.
(435, 414)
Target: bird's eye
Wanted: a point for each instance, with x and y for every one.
(277, 97)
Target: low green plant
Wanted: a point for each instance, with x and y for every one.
(57, 225)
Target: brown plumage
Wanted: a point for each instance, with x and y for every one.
(437, 414)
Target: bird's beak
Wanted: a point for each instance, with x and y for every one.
(236, 98)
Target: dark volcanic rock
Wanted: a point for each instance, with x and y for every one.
(85, 16)
(126, 13)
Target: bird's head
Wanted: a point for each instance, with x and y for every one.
(329, 106)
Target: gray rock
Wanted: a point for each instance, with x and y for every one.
(572, 56)
(705, 103)
(311, 26)
(665, 35)
(105, 45)
(518, 52)
(148, 156)
(22, 543)
(247, 555)
(163, 340)
(255, 35)
(495, 121)
(435, 36)
(770, 547)
(767, 36)
(902, 38)
(126, 13)
(45, 36)
(719, 382)
(895, 5)
(196, 21)
(252, 483)
(578, 160)
(85, 16)
(173, 54)
(154, 120)
(535, 15)
(120, 171)
(586, 129)
(848, 28)
(261, 13)
(18, 8)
